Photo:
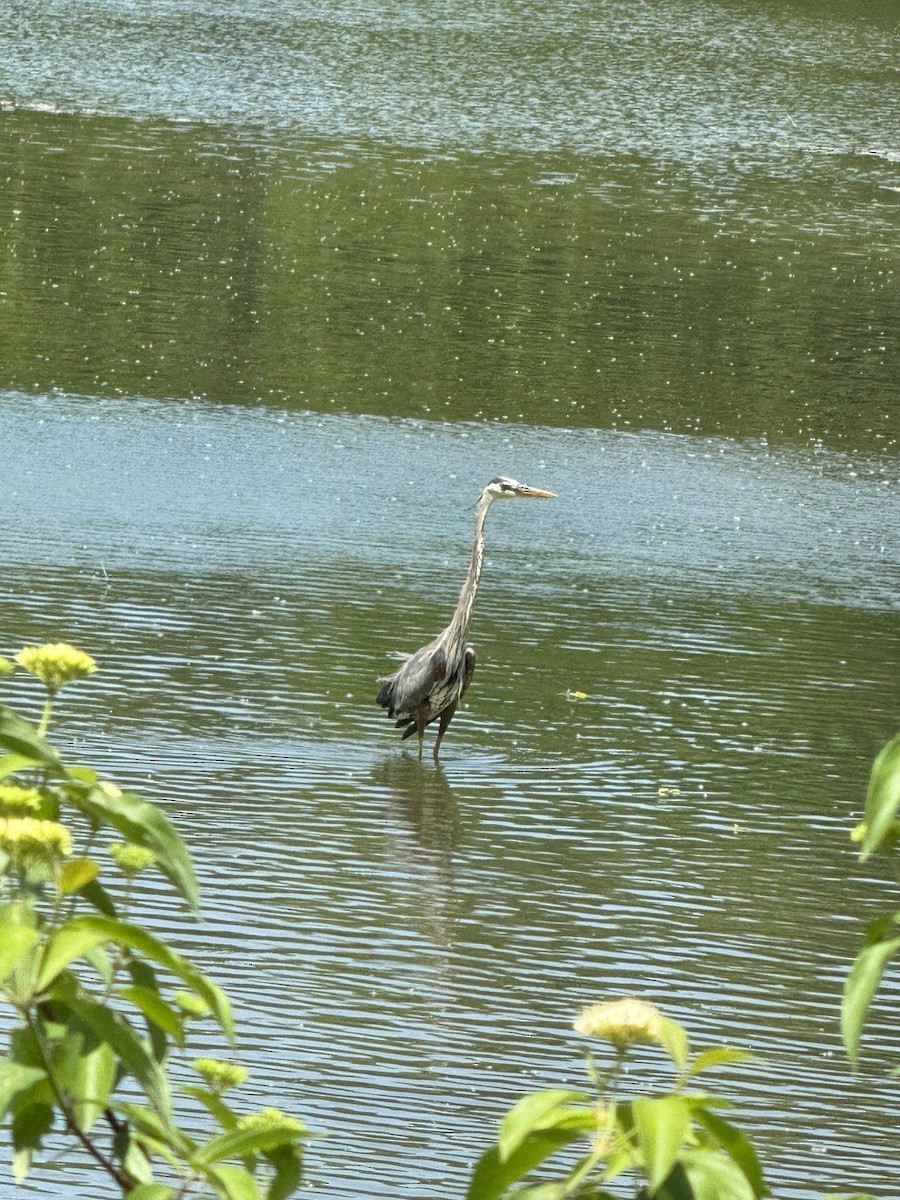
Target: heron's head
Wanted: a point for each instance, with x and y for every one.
(503, 488)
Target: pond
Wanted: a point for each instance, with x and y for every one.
(280, 290)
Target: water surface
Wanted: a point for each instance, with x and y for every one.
(427, 933)
(279, 292)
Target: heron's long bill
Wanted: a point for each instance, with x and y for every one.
(532, 493)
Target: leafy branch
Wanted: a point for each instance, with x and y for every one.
(675, 1146)
(65, 942)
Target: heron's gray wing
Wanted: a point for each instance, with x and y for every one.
(407, 688)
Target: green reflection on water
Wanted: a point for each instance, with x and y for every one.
(166, 261)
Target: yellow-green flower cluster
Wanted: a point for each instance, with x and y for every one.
(624, 1022)
(28, 841)
(16, 801)
(271, 1118)
(131, 859)
(56, 663)
(191, 1005)
(220, 1076)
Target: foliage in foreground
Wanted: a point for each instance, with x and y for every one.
(100, 1006)
(674, 1145)
(97, 1025)
(880, 830)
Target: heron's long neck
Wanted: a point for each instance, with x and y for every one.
(459, 626)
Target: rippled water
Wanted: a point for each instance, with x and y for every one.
(426, 934)
(279, 291)
(702, 80)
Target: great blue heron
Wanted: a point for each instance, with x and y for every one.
(431, 682)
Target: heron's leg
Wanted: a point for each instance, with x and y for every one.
(445, 719)
(421, 722)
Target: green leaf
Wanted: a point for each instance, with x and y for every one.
(151, 1127)
(18, 737)
(97, 895)
(855, 1196)
(144, 976)
(573, 1185)
(595, 1193)
(859, 988)
(24, 1048)
(19, 950)
(15, 1078)
(101, 962)
(734, 1143)
(137, 1147)
(21, 1164)
(706, 1100)
(150, 1191)
(82, 774)
(156, 1010)
(16, 941)
(214, 1104)
(717, 1056)
(72, 939)
(91, 1084)
(239, 1143)
(113, 1029)
(30, 1124)
(538, 1110)
(287, 1162)
(674, 1040)
(883, 796)
(76, 873)
(493, 1174)
(676, 1187)
(233, 1183)
(85, 1067)
(31, 1113)
(662, 1126)
(135, 1157)
(11, 764)
(713, 1176)
(144, 824)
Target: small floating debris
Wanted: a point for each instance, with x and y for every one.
(577, 695)
(668, 791)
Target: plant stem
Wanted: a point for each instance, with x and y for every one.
(125, 1182)
(613, 1080)
(187, 1183)
(45, 716)
(121, 955)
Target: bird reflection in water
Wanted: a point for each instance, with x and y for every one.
(424, 820)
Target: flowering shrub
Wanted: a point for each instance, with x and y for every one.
(93, 1007)
(673, 1146)
(879, 831)
(90, 992)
